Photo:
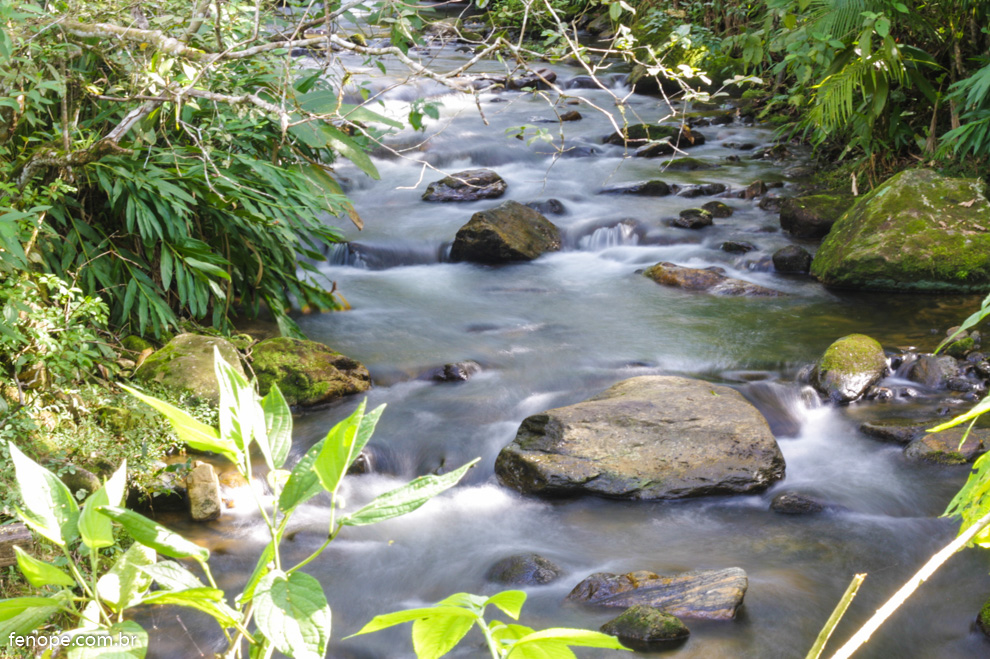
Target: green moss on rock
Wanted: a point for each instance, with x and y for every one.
(306, 372)
(849, 367)
(642, 624)
(918, 231)
(135, 344)
(185, 364)
(983, 620)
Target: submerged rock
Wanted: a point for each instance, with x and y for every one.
(795, 503)
(708, 280)
(737, 246)
(653, 188)
(718, 209)
(894, 432)
(307, 372)
(650, 437)
(641, 626)
(944, 447)
(693, 218)
(918, 231)
(469, 185)
(185, 364)
(812, 216)
(456, 372)
(524, 570)
(508, 232)
(548, 207)
(702, 594)
(849, 367)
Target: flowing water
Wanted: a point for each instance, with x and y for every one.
(566, 326)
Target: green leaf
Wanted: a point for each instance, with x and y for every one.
(241, 417)
(980, 408)
(49, 507)
(292, 612)
(22, 615)
(338, 450)
(303, 483)
(123, 584)
(437, 635)
(542, 650)
(278, 422)
(387, 620)
(96, 530)
(124, 640)
(207, 600)
(195, 434)
(155, 535)
(405, 499)
(509, 601)
(571, 637)
(39, 574)
(261, 568)
(172, 576)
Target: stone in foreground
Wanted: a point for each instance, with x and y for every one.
(641, 626)
(469, 185)
(918, 231)
(307, 372)
(701, 594)
(707, 280)
(849, 367)
(508, 232)
(650, 437)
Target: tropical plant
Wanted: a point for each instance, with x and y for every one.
(287, 606)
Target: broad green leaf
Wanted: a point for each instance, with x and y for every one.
(405, 499)
(241, 417)
(572, 637)
(542, 650)
(195, 434)
(980, 408)
(261, 568)
(38, 573)
(96, 529)
(465, 600)
(303, 483)
(22, 615)
(509, 602)
(124, 583)
(172, 576)
(49, 507)
(207, 600)
(387, 620)
(278, 422)
(504, 633)
(124, 640)
(13, 607)
(437, 635)
(292, 612)
(155, 535)
(338, 450)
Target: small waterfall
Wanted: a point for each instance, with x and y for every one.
(381, 256)
(344, 254)
(785, 407)
(619, 235)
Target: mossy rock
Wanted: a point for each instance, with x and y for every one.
(918, 231)
(849, 367)
(947, 447)
(983, 620)
(185, 364)
(118, 420)
(643, 625)
(306, 372)
(135, 344)
(812, 216)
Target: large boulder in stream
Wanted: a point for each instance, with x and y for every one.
(946, 447)
(649, 437)
(849, 367)
(469, 185)
(708, 280)
(702, 594)
(307, 372)
(918, 231)
(508, 232)
(185, 364)
(812, 216)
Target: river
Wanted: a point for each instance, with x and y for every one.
(566, 326)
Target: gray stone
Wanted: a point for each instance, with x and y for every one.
(792, 260)
(306, 372)
(508, 232)
(737, 246)
(812, 216)
(848, 368)
(469, 185)
(645, 189)
(944, 447)
(524, 570)
(934, 372)
(708, 280)
(693, 218)
(11, 535)
(894, 432)
(203, 488)
(650, 437)
(795, 503)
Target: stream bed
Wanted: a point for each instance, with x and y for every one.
(566, 326)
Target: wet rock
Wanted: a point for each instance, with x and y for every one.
(708, 280)
(548, 207)
(571, 115)
(79, 479)
(185, 364)
(702, 594)
(10, 535)
(702, 190)
(469, 185)
(306, 372)
(687, 165)
(686, 139)
(795, 503)
(639, 134)
(812, 216)
(894, 432)
(718, 209)
(739, 146)
(960, 347)
(541, 78)
(982, 620)
(754, 190)
(737, 246)
(456, 372)
(508, 232)
(204, 492)
(944, 447)
(918, 231)
(693, 218)
(641, 626)
(792, 260)
(524, 570)
(933, 372)
(771, 203)
(849, 367)
(650, 437)
(644, 189)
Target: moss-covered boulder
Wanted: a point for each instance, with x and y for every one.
(186, 364)
(306, 372)
(947, 447)
(918, 231)
(982, 620)
(508, 232)
(849, 367)
(642, 626)
(812, 216)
